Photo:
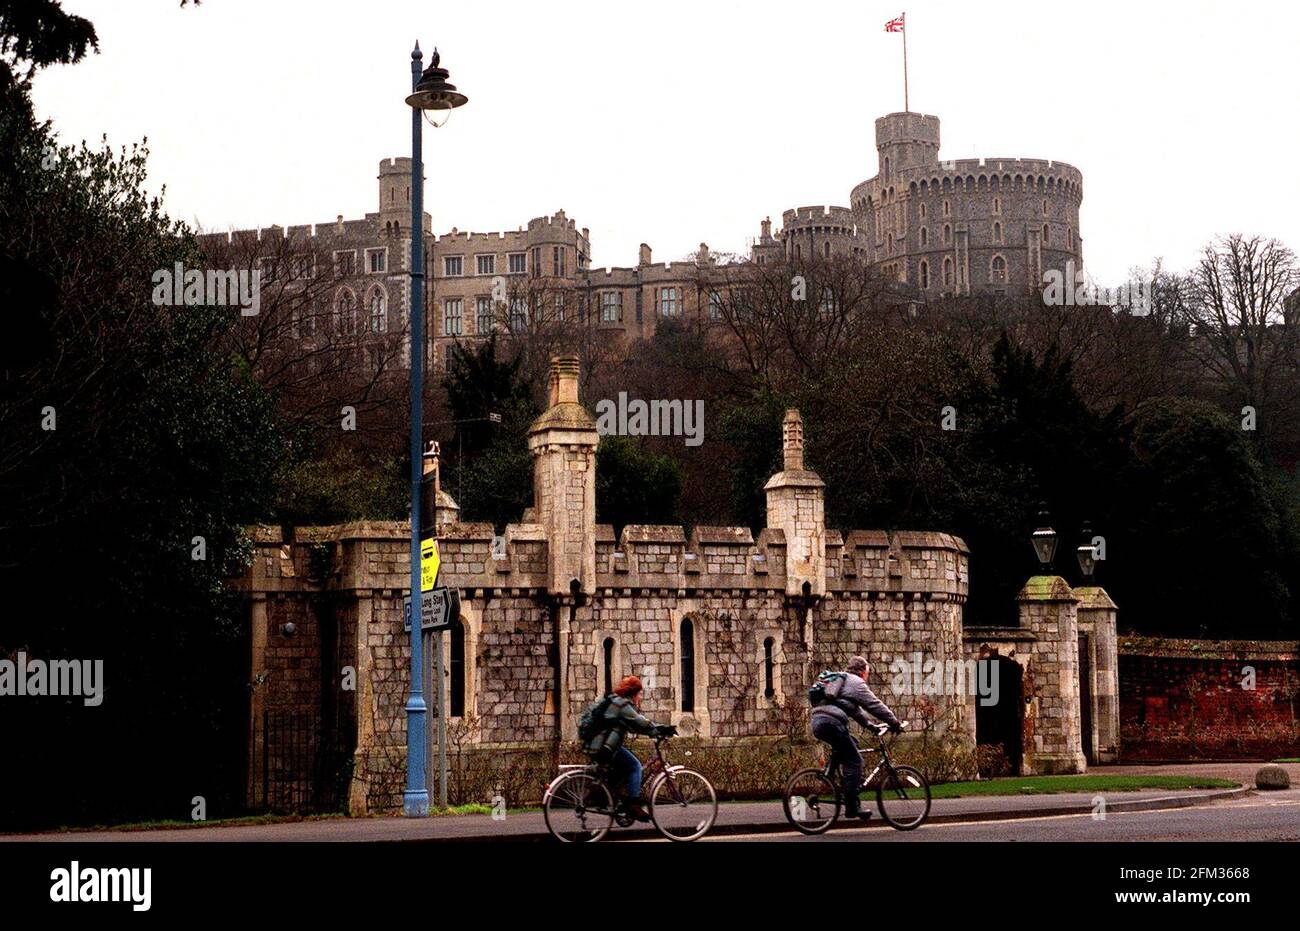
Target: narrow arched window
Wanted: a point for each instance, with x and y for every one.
(997, 232)
(769, 668)
(947, 273)
(1047, 236)
(609, 665)
(925, 275)
(688, 665)
(378, 313)
(456, 670)
(925, 236)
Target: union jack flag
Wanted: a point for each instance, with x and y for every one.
(895, 25)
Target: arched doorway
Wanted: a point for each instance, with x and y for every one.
(1002, 721)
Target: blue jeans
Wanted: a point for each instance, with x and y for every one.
(627, 768)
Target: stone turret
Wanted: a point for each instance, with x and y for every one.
(796, 505)
(563, 442)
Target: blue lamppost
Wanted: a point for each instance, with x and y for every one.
(429, 92)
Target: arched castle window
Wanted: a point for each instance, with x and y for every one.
(608, 665)
(688, 665)
(947, 233)
(378, 312)
(456, 670)
(923, 211)
(947, 208)
(1044, 206)
(345, 311)
(769, 668)
(997, 232)
(1046, 235)
(947, 273)
(925, 236)
(886, 165)
(925, 275)
(997, 203)
(998, 269)
(826, 248)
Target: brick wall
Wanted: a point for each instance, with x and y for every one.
(1184, 699)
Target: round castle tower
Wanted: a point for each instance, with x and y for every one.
(978, 225)
(821, 232)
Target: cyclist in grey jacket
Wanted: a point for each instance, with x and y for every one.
(850, 698)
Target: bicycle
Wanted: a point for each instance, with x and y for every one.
(812, 799)
(579, 804)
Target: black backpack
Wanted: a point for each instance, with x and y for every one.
(817, 691)
(592, 722)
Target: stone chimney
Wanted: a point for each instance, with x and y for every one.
(766, 227)
(796, 504)
(563, 443)
(644, 258)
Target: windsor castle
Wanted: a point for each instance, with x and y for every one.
(937, 228)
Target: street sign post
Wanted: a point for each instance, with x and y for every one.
(437, 608)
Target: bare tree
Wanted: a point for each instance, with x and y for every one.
(1240, 334)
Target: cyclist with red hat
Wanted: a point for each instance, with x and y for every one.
(622, 714)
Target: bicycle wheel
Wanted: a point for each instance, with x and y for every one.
(578, 808)
(903, 795)
(683, 805)
(811, 801)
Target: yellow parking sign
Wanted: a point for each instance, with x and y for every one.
(429, 563)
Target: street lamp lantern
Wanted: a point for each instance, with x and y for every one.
(1044, 540)
(1087, 554)
(432, 92)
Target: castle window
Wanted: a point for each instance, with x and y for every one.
(925, 275)
(518, 314)
(559, 307)
(345, 264)
(925, 236)
(346, 313)
(608, 666)
(826, 249)
(456, 667)
(306, 322)
(947, 273)
(557, 261)
(998, 269)
(378, 312)
(1047, 236)
(377, 260)
(947, 234)
(688, 665)
(537, 261)
(517, 263)
(997, 232)
(483, 310)
(486, 264)
(453, 266)
(923, 211)
(715, 305)
(828, 301)
(451, 316)
(1044, 206)
(668, 302)
(947, 208)
(769, 668)
(611, 307)
(886, 164)
(997, 205)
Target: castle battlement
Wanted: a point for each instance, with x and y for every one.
(818, 215)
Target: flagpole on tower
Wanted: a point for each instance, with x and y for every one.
(906, 108)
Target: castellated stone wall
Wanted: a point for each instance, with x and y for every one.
(725, 629)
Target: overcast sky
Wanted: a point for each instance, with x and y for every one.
(674, 122)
